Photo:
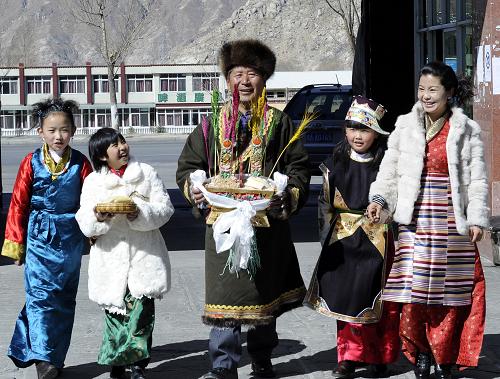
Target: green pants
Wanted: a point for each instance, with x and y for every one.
(127, 339)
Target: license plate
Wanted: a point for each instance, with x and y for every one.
(319, 137)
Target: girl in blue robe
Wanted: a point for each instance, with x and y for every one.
(42, 233)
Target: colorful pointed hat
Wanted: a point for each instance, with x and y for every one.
(367, 112)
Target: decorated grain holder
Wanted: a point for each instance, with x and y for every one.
(239, 197)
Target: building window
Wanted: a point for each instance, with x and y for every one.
(103, 118)
(77, 118)
(173, 82)
(176, 117)
(197, 114)
(88, 118)
(7, 121)
(72, 84)
(450, 48)
(12, 119)
(206, 82)
(101, 84)
(276, 95)
(140, 83)
(468, 50)
(137, 117)
(8, 85)
(437, 14)
(451, 10)
(467, 9)
(166, 117)
(38, 84)
(445, 33)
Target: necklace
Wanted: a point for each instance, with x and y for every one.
(56, 169)
(254, 152)
(432, 128)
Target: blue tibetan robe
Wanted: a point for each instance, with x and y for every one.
(54, 247)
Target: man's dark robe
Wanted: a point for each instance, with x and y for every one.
(236, 298)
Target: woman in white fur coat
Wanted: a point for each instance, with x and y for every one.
(433, 179)
(129, 265)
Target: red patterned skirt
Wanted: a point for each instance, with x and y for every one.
(454, 335)
(376, 343)
(370, 343)
(437, 275)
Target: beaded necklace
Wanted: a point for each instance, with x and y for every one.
(228, 163)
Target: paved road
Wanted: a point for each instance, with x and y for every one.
(160, 151)
(307, 340)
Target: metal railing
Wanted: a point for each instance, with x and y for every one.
(126, 130)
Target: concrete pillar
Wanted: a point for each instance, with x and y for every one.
(22, 82)
(55, 80)
(90, 87)
(123, 83)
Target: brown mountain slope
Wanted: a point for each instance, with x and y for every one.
(305, 34)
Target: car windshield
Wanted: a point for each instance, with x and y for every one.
(326, 104)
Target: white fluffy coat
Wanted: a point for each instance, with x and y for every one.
(398, 179)
(127, 253)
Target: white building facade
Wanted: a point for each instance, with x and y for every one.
(150, 98)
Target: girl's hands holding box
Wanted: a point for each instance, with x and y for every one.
(104, 216)
(133, 215)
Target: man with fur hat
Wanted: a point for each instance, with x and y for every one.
(248, 140)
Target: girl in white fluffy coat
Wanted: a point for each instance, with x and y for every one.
(433, 178)
(129, 265)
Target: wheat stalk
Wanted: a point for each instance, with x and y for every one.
(304, 123)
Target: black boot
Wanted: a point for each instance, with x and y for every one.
(345, 369)
(263, 369)
(379, 371)
(137, 372)
(46, 370)
(423, 366)
(221, 373)
(442, 371)
(118, 372)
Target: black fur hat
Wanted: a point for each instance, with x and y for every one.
(247, 53)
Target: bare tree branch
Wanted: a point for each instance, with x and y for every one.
(115, 43)
(348, 11)
(357, 9)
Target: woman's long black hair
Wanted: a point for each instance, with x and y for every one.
(99, 143)
(342, 151)
(462, 87)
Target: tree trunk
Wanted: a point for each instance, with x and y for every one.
(112, 96)
(111, 69)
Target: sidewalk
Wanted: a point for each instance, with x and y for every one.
(307, 340)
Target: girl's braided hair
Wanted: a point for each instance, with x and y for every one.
(42, 109)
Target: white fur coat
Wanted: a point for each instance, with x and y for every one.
(398, 180)
(127, 253)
